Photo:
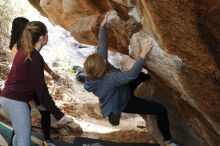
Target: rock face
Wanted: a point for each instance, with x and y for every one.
(7, 13)
(185, 59)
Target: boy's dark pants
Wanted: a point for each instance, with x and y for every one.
(140, 106)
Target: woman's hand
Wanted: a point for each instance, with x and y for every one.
(146, 47)
(54, 76)
(56, 79)
(32, 104)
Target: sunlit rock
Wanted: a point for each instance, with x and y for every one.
(184, 61)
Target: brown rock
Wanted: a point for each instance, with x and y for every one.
(185, 59)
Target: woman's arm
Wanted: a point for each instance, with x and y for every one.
(50, 72)
(35, 68)
(47, 69)
(14, 50)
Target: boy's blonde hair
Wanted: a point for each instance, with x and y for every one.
(95, 66)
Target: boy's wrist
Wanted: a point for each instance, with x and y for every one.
(103, 24)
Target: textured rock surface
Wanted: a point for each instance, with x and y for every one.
(7, 13)
(186, 54)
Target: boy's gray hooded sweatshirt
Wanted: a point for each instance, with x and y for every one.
(113, 88)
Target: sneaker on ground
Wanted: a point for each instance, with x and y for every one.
(65, 120)
(48, 143)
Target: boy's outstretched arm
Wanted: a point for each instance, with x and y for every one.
(103, 38)
(124, 77)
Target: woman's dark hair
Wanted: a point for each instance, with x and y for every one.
(30, 36)
(18, 26)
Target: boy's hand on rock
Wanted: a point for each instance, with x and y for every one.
(104, 21)
(146, 47)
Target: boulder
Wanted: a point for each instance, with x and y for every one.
(185, 59)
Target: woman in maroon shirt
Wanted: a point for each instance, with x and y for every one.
(26, 78)
(18, 26)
